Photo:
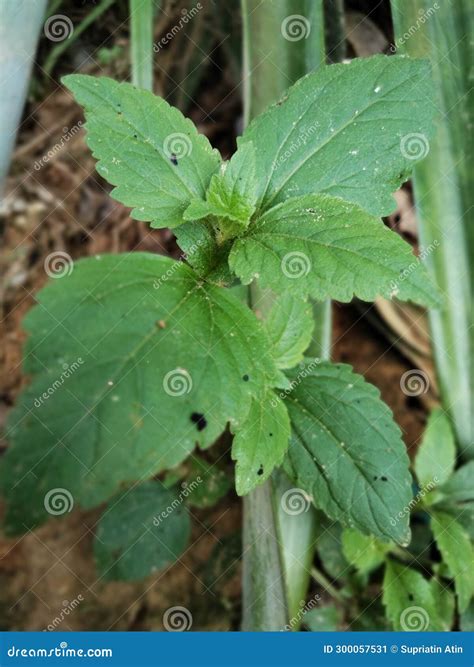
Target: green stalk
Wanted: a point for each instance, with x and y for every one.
(335, 30)
(444, 193)
(21, 25)
(141, 43)
(278, 549)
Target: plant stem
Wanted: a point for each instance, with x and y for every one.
(264, 599)
(323, 581)
(444, 194)
(271, 63)
(277, 552)
(141, 43)
(335, 30)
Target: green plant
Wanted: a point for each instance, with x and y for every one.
(162, 355)
(444, 194)
(441, 512)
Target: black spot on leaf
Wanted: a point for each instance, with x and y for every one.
(245, 378)
(173, 159)
(200, 421)
(260, 470)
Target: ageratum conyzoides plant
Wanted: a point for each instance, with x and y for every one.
(170, 355)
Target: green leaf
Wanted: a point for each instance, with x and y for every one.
(230, 198)
(261, 442)
(158, 362)
(363, 551)
(445, 604)
(409, 600)
(329, 546)
(459, 488)
(457, 553)
(326, 247)
(143, 530)
(343, 130)
(464, 515)
(467, 619)
(208, 259)
(289, 327)
(206, 482)
(346, 450)
(323, 619)
(436, 456)
(147, 149)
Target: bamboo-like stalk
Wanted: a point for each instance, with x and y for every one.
(274, 580)
(20, 28)
(141, 43)
(444, 193)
